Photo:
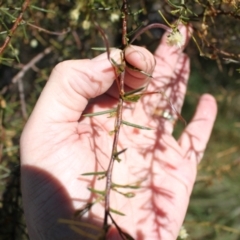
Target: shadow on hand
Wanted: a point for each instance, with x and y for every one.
(49, 211)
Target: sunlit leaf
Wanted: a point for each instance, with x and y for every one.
(100, 113)
(94, 173)
(133, 91)
(116, 212)
(132, 98)
(96, 191)
(129, 195)
(99, 48)
(135, 125)
(138, 70)
(114, 185)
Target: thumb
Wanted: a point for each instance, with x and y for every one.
(194, 139)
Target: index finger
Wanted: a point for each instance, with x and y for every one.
(143, 62)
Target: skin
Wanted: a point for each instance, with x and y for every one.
(58, 144)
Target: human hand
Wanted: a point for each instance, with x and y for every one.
(58, 145)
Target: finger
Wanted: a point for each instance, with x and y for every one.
(170, 64)
(165, 105)
(176, 89)
(172, 97)
(141, 59)
(169, 80)
(167, 57)
(194, 139)
(70, 86)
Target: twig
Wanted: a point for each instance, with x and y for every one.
(120, 70)
(15, 25)
(2, 103)
(47, 31)
(28, 66)
(120, 79)
(77, 39)
(22, 98)
(31, 64)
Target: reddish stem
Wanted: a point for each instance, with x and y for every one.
(15, 25)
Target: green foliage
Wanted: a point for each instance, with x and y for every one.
(54, 31)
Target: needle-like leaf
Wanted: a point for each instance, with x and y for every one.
(96, 191)
(94, 173)
(116, 212)
(135, 125)
(100, 113)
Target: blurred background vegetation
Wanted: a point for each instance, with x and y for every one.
(36, 35)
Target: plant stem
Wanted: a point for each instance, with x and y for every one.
(120, 80)
(15, 25)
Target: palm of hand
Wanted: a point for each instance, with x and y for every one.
(67, 148)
